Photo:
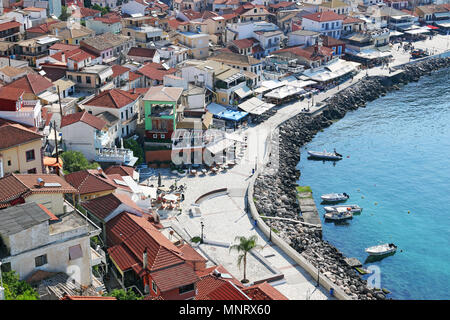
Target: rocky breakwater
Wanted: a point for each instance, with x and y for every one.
(274, 189)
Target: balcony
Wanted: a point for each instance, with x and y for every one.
(102, 140)
(116, 155)
(98, 256)
(159, 111)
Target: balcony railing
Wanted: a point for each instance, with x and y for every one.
(117, 155)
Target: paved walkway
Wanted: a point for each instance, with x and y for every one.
(224, 217)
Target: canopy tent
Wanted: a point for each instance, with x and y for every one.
(417, 31)
(224, 113)
(170, 197)
(269, 85)
(255, 106)
(283, 92)
(244, 92)
(302, 83)
(332, 71)
(395, 33)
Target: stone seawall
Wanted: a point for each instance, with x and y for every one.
(274, 192)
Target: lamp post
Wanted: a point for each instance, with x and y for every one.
(202, 225)
(318, 272)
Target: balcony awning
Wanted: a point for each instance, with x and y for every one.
(255, 106)
(244, 92)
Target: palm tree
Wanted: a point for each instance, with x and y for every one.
(244, 246)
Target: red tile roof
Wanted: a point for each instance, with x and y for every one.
(211, 287)
(142, 52)
(283, 4)
(12, 94)
(42, 28)
(101, 207)
(88, 12)
(307, 53)
(349, 19)
(63, 47)
(131, 234)
(155, 71)
(113, 98)
(245, 43)
(324, 16)
(133, 76)
(31, 83)
(109, 18)
(118, 70)
(122, 170)
(84, 117)
(16, 134)
(9, 25)
(14, 186)
(90, 181)
(174, 277)
(48, 212)
(264, 291)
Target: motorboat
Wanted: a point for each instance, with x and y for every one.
(335, 197)
(382, 249)
(339, 214)
(325, 155)
(353, 208)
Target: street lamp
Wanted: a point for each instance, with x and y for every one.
(318, 272)
(202, 225)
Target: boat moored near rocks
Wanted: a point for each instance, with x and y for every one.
(338, 214)
(353, 208)
(381, 249)
(335, 197)
(334, 156)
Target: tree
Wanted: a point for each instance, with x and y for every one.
(104, 10)
(121, 294)
(244, 246)
(64, 14)
(16, 289)
(75, 161)
(136, 148)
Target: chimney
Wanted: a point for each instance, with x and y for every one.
(144, 259)
(63, 57)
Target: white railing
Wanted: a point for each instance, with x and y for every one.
(113, 155)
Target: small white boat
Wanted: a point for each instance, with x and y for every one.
(381, 249)
(335, 197)
(353, 208)
(339, 214)
(325, 155)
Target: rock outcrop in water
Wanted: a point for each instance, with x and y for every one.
(274, 192)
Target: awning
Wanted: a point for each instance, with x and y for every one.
(255, 106)
(283, 92)
(48, 96)
(417, 31)
(224, 113)
(244, 92)
(395, 33)
(325, 73)
(432, 27)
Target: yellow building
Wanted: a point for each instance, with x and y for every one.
(20, 149)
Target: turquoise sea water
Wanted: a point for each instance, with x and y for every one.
(399, 161)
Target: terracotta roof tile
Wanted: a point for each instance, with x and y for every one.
(211, 287)
(84, 117)
(90, 181)
(31, 83)
(174, 277)
(15, 134)
(13, 186)
(142, 52)
(264, 291)
(122, 170)
(324, 16)
(113, 98)
(155, 71)
(9, 25)
(101, 207)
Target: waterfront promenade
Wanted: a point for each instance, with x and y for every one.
(224, 216)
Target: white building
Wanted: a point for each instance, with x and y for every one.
(134, 7)
(34, 239)
(327, 23)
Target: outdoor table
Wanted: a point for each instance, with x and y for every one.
(204, 171)
(194, 172)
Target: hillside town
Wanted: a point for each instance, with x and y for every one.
(130, 132)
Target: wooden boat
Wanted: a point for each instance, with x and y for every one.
(381, 249)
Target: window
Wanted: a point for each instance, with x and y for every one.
(187, 288)
(79, 79)
(32, 170)
(155, 136)
(75, 252)
(88, 79)
(154, 287)
(9, 162)
(30, 155)
(163, 136)
(6, 267)
(41, 260)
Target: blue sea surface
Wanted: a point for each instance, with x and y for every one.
(396, 166)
